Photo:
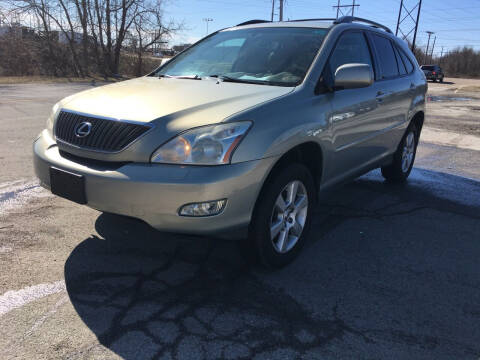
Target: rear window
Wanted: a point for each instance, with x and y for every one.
(386, 56)
(428, 67)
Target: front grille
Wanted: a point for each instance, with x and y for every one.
(105, 135)
(93, 163)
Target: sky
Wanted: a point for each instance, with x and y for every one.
(455, 23)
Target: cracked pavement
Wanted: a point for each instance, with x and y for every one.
(389, 271)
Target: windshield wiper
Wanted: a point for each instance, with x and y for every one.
(237, 80)
(190, 77)
(248, 81)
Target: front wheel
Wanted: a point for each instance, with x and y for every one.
(281, 218)
(403, 158)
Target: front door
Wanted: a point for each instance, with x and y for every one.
(354, 117)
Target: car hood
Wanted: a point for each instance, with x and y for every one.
(145, 99)
(169, 105)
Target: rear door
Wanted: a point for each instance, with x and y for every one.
(393, 92)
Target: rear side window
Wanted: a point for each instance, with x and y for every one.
(386, 56)
(406, 61)
(352, 47)
(401, 65)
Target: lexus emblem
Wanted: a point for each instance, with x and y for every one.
(83, 129)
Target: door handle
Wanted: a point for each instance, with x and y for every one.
(380, 95)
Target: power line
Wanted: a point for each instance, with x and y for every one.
(345, 10)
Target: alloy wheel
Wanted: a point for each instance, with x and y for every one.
(408, 151)
(288, 216)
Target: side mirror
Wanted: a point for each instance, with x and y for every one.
(164, 61)
(353, 76)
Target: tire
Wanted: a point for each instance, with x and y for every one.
(441, 79)
(290, 220)
(403, 158)
(434, 79)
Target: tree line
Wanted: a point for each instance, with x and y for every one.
(81, 37)
(459, 62)
(111, 37)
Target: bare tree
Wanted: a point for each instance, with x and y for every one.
(82, 16)
(95, 33)
(150, 32)
(3, 16)
(110, 32)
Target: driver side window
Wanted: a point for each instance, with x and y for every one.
(351, 48)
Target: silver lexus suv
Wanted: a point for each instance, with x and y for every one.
(236, 136)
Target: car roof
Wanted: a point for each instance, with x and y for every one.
(307, 23)
(324, 23)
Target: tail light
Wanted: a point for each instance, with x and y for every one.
(434, 73)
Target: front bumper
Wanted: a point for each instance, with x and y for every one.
(155, 192)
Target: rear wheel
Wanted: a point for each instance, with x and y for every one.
(281, 219)
(441, 79)
(403, 158)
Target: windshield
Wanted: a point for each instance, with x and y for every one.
(428, 67)
(269, 56)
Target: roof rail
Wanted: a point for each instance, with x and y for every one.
(319, 19)
(350, 19)
(249, 22)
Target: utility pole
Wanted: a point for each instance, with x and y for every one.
(273, 9)
(406, 15)
(207, 20)
(433, 46)
(348, 9)
(430, 33)
(281, 10)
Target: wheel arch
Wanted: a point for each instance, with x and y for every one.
(308, 153)
(418, 119)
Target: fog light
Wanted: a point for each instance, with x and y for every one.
(208, 208)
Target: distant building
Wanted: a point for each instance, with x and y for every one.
(18, 30)
(52, 34)
(63, 39)
(4, 30)
(168, 52)
(180, 48)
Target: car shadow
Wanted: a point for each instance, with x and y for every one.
(442, 83)
(147, 294)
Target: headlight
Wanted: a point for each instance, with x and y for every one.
(51, 118)
(207, 145)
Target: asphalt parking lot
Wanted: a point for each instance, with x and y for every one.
(389, 272)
